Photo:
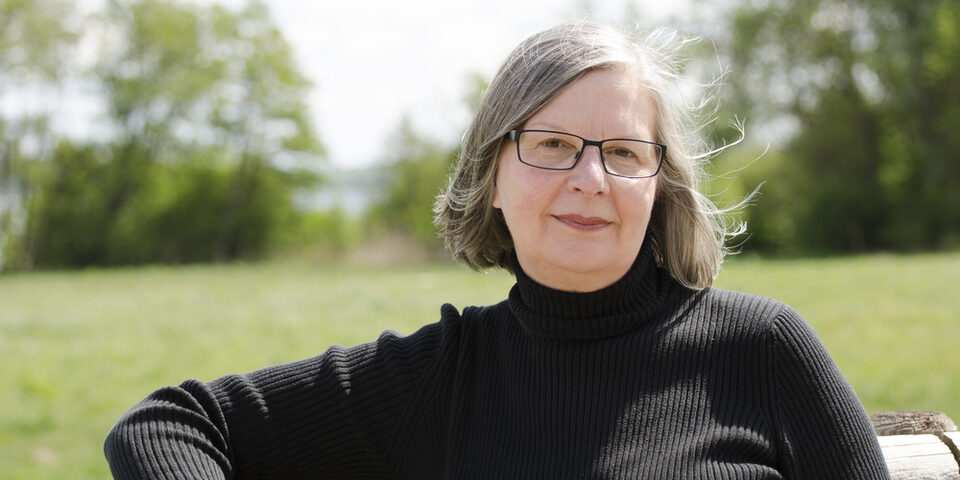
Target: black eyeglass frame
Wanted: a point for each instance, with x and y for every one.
(514, 135)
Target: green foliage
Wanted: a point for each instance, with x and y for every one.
(175, 216)
(33, 38)
(418, 172)
(182, 206)
(737, 173)
(871, 88)
(213, 139)
(179, 216)
(67, 212)
(35, 44)
(318, 236)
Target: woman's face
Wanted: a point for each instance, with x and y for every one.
(580, 229)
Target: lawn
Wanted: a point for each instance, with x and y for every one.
(79, 348)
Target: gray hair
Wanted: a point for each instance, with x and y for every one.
(687, 230)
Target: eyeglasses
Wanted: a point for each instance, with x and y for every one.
(622, 157)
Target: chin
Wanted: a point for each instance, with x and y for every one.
(586, 265)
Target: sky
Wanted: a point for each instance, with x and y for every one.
(373, 62)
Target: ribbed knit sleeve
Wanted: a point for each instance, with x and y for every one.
(825, 432)
(187, 417)
(331, 416)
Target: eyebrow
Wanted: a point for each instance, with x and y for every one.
(549, 125)
(556, 128)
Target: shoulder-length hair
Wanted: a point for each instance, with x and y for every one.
(687, 230)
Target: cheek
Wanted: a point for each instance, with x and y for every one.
(519, 197)
(523, 194)
(638, 203)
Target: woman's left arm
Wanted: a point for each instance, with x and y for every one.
(824, 430)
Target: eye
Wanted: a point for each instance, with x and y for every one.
(620, 152)
(554, 143)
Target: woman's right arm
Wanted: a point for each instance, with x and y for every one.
(335, 415)
(176, 432)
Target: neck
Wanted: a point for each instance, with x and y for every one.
(629, 302)
(573, 279)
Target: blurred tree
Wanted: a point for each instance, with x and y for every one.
(36, 43)
(66, 198)
(212, 138)
(34, 35)
(190, 76)
(260, 107)
(418, 171)
(868, 90)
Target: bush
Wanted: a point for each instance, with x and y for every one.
(85, 210)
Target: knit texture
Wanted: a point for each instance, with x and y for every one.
(643, 379)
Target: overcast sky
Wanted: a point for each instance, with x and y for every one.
(374, 61)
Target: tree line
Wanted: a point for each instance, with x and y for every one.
(868, 90)
(210, 136)
(850, 108)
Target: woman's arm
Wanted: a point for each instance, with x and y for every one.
(176, 432)
(825, 432)
(335, 415)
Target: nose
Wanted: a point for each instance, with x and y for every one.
(588, 175)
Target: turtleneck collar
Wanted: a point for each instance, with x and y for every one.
(616, 309)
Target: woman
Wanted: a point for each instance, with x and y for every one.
(611, 358)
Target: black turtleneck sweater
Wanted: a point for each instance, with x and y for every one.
(643, 379)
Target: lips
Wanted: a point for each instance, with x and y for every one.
(583, 223)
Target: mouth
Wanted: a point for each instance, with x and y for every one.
(583, 223)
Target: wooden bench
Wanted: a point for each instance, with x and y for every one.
(919, 445)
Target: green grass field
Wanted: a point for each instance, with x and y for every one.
(79, 348)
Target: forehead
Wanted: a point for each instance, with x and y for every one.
(606, 103)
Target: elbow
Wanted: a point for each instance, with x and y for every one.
(122, 452)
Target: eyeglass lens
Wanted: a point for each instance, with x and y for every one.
(561, 151)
